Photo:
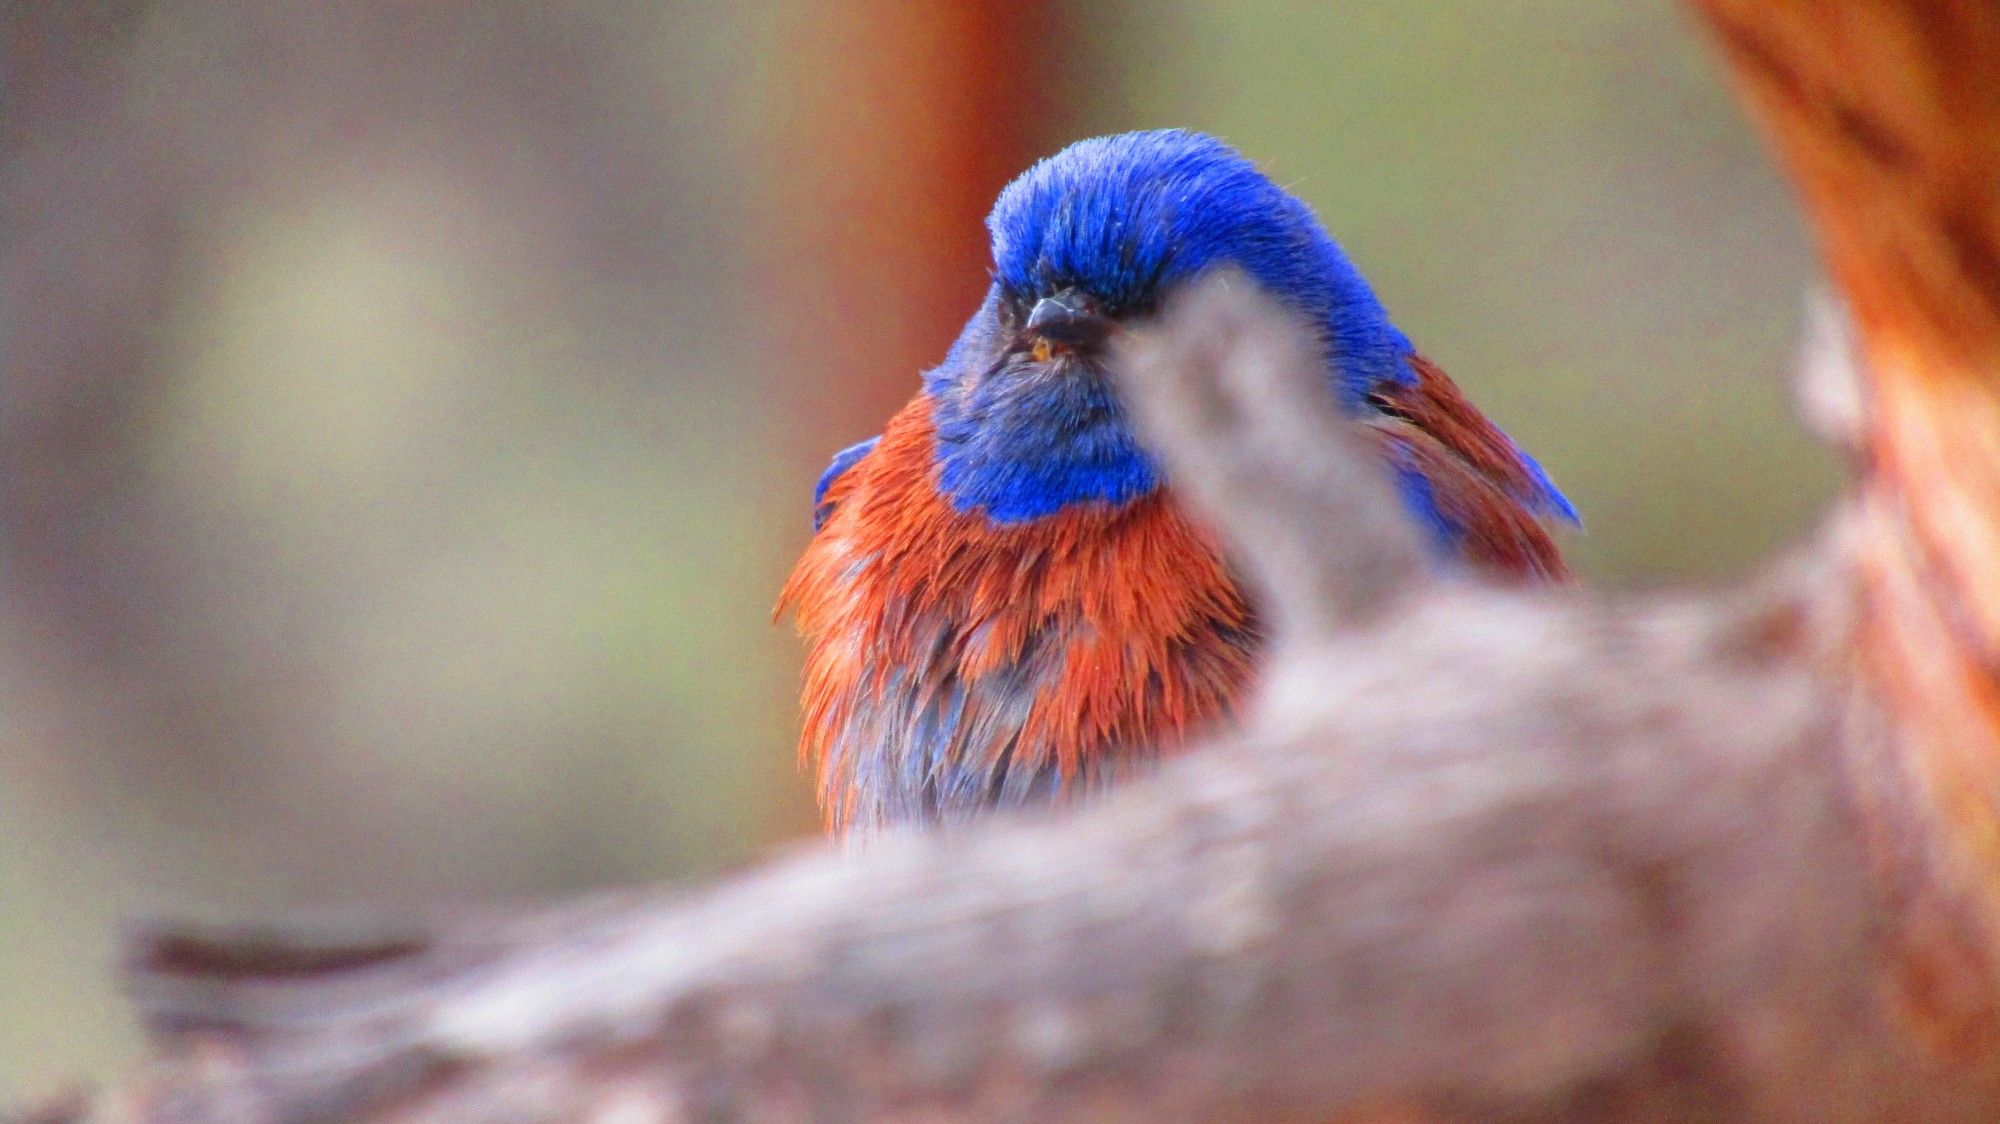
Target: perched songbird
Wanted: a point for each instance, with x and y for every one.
(1003, 601)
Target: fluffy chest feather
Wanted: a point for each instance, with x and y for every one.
(955, 663)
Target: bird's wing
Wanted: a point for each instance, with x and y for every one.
(1434, 404)
(1473, 485)
(825, 496)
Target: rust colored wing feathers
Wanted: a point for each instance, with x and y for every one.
(1481, 483)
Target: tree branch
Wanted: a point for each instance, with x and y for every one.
(1236, 395)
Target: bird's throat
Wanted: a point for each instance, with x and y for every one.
(1026, 443)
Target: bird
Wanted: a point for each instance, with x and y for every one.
(1003, 603)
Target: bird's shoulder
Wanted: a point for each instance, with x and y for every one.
(824, 501)
(1470, 481)
(1433, 404)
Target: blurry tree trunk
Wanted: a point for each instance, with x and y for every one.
(1888, 116)
(900, 124)
(1477, 854)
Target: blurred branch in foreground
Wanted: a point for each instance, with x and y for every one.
(1689, 858)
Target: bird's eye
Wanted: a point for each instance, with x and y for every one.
(1042, 352)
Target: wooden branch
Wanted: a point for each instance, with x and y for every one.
(1475, 854)
(1240, 400)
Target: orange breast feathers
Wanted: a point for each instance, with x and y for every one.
(955, 664)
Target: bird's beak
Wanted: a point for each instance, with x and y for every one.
(1069, 321)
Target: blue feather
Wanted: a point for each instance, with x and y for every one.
(842, 461)
(1128, 217)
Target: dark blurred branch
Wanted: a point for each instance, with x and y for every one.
(1488, 854)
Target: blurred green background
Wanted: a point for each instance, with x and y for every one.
(410, 413)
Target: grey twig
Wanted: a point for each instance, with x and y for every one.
(1234, 392)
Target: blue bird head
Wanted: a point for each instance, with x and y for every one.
(1101, 232)
(1124, 219)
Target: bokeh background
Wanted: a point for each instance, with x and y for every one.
(408, 412)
